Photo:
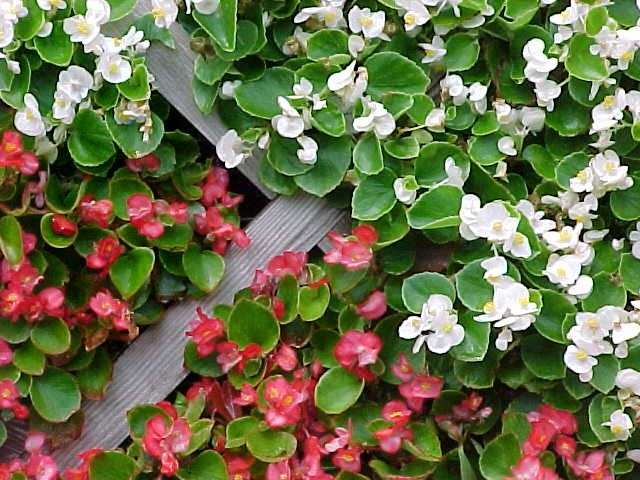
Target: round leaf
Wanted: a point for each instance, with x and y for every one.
(462, 52)
(438, 208)
(390, 72)
(131, 271)
(337, 390)
(51, 336)
(111, 466)
(374, 196)
(417, 289)
(251, 322)
(204, 268)
(260, 97)
(55, 395)
(90, 142)
(208, 465)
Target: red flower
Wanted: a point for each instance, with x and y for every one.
(356, 350)
(563, 421)
(149, 162)
(205, 332)
(218, 231)
(283, 401)
(390, 438)
(12, 156)
(565, 446)
(288, 263)
(61, 225)
(238, 466)
(348, 459)
(374, 306)
(396, 412)
(104, 305)
(248, 396)
(94, 211)
(38, 466)
(590, 465)
(105, 252)
(143, 219)
(352, 252)
(530, 468)
(419, 389)
(81, 472)
(541, 435)
(215, 186)
(9, 399)
(230, 356)
(286, 358)
(11, 301)
(164, 437)
(6, 354)
(47, 302)
(402, 369)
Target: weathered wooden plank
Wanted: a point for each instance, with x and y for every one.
(14, 446)
(151, 367)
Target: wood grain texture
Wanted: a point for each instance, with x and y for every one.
(151, 367)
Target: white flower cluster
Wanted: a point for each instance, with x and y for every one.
(603, 174)
(72, 88)
(476, 94)
(10, 12)
(510, 308)
(597, 333)
(537, 70)
(494, 223)
(111, 65)
(437, 326)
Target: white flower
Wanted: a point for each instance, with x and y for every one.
(45, 30)
(415, 13)
(81, 29)
(308, 154)
(582, 288)
(435, 120)
(371, 24)
(329, 13)
(447, 333)
(628, 380)
(518, 245)
(453, 86)
(413, 326)
(114, 68)
(75, 82)
(606, 166)
(434, 51)
(478, 97)
(6, 33)
(289, 123)
(532, 118)
(495, 268)
(230, 149)
(566, 239)
(606, 115)
(164, 12)
(580, 362)
(506, 145)
(355, 45)
(455, 176)
(349, 83)
(48, 5)
(405, 189)
(563, 270)
(504, 338)
(538, 223)
(620, 424)
(375, 118)
(546, 92)
(494, 223)
(538, 64)
(583, 181)
(12, 10)
(581, 211)
(228, 88)
(28, 119)
(63, 107)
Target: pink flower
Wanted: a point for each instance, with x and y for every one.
(419, 389)
(286, 358)
(6, 354)
(402, 369)
(248, 396)
(374, 306)
(283, 401)
(9, 399)
(205, 333)
(279, 471)
(104, 305)
(390, 438)
(165, 437)
(565, 446)
(141, 213)
(238, 466)
(82, 471)
(231, 356)
(353, 252)
(396, 412)
(563, 421)
(149, 162)
(356, 350)
(348, 459)
(590, 465)
(38, 466)
(540, 437)
(530, 468)
(218, 231)
(94, 211)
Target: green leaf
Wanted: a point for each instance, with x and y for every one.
(131, 271)
(390, 72)
(402, 148)
(246, 38)
(112, 465)
(251, 322)
(630, 273)
(569, 166)
(436, 208)
(205, 366)
(430, 164)
(555, 307)
(625, 204)
(367, 154)
(11, 239)
(204, 95)
(271, 446)
(221, 24)
(14, 332)
(283, 156)
(462, 52)
(374, 196)
(55, 395)
(473, 290)
(152, 32)
(604, 373)
(499, 456)
(600, 410)
(606, 291)
(204, 268)
(417, 289)
(131, 141)
(334, 158)
(95, 378)
(569, 118)
(484, 150)
(90, 142)
(29, 25)
(51, 237)
(313, 302)
(327, 42)
(541, 161)
(120, 189)
(138, 416)
(425, 443)
(475, 344)
(237, 430)
(136, 88)
(543, 358)
(337, 390)
(29, 359)
(581, 63)
(329, 120)
(208, 465)
(56, 48)
(210, 70)
(260, 97)
(51, 336)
